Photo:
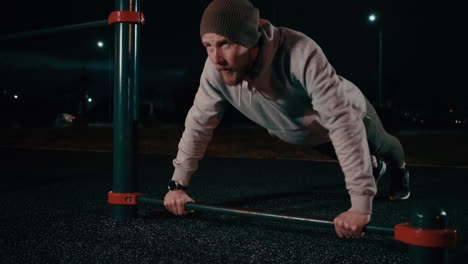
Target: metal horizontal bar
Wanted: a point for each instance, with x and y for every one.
(54, 30)
(259, 215)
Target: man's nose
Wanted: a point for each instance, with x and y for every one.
(217, 57)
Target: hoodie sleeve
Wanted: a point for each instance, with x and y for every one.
(332, 99)
(203, 117)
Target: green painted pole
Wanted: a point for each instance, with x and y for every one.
(135, 99)
(259, 215)
(123, 155)
(428, 218)
(53, 30)
(135, 67)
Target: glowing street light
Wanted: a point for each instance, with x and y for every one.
(16, 96)
(100, 44)
(372, 18)
(90, 100)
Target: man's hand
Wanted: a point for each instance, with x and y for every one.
(350, 224)
(175, 201)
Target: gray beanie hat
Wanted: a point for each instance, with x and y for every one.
(237, 20)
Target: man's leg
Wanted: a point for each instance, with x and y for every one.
(380, 142)
(388, 147)
(382, 145)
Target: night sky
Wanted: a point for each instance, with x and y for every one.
(424, 45)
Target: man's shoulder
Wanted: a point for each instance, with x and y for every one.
(284, 39)
(294, 39)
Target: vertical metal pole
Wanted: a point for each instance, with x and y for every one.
(135, 99)
(428, 218)
(135, 68)
(381, 104)
(123, 138)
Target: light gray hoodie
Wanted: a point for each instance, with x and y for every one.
(295, 94)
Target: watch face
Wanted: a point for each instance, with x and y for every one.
(172, 185)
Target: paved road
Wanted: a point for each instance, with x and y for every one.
(54, 210)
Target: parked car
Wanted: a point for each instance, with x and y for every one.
(64, 120)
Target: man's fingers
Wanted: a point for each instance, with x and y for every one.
(354, 231)
(180, 205)
(338, 232)
(175, 202)
(345, 233)
(351, 225)
(346, 227)
(168, 205)
(339, 229)
(358, 232)
(343, 229)
(173, 208)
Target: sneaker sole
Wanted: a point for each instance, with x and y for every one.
(381, 172)
(399, 198)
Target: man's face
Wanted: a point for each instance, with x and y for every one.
(232, 60)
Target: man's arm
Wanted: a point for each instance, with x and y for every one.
(203, 117)
(331, 99)
(330, 96)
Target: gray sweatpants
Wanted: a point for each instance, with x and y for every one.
(381, 144)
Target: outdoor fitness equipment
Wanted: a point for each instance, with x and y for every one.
(426, 234)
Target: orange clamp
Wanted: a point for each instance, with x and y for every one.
(126, 17)
(123, 198)
(441, 238)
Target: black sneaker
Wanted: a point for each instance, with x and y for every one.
(399, 185)
(379, 171)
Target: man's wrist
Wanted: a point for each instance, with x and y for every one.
(182, 176)
(174, 185)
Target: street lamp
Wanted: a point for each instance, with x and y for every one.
(374, 19)
(100, 44)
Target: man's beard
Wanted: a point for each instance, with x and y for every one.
(236, 76)
(232, 77)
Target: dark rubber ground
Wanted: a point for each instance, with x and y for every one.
(54, 210)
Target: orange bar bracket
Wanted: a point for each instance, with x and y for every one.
(441, 238)
(126, 17)
(123, 198)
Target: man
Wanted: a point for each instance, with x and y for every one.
(280, 79)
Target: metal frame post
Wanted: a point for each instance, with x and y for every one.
(428, 219)
(125, 115)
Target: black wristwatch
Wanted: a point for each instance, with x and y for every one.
(173, 185)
